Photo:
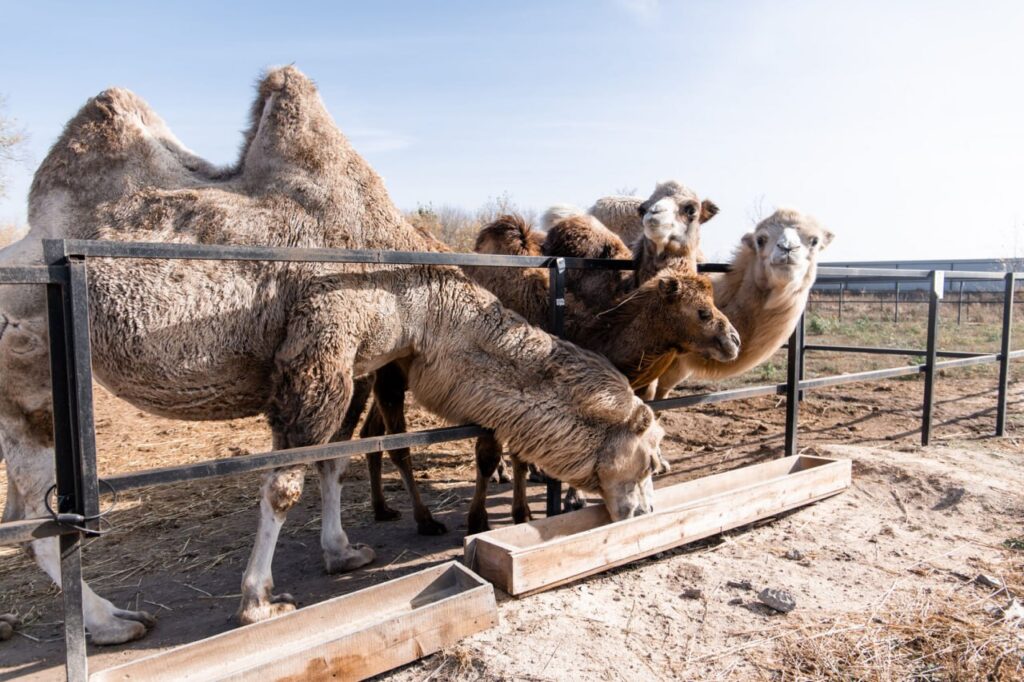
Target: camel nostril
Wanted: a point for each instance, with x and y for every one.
(735, 339)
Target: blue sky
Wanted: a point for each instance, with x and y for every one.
(899, 125)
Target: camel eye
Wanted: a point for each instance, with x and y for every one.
(689, 210)
(704, 314)
(814, 241)
(761, 240)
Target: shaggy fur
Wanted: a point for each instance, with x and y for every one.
(584, 237)
(214, 340)
(763, 294)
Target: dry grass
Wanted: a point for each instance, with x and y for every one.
(458, 227)
(956, 635)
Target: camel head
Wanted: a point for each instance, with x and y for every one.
(508, 235)
(625, 478)
(785, 246)
(672, 217)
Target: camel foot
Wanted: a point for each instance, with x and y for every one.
(354, 556)
(431, 527)
(386, 514)
(8, 622)
(536, 475)
(477, 524)
(500, 475)
(573, 501)
(256, 610)
(522, 515)
(122, 626)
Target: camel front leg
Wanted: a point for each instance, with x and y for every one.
(488, 454)
(339, 555)
(389, 389)
(281, 489)
(520, 503)
(374, 426)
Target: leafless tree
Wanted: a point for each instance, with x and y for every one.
(12, 142)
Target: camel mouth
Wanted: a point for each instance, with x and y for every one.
(726, 348)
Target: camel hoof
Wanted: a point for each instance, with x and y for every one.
(386, 514)
(536, 475)
(260, 610)
(431, 527)
(573, 501)
(355, 556)
(522, 515)
(474, 526)
(500, 476)
(123, 626)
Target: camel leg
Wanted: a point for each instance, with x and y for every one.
(311, 394)
(389, 388)
(30, 473)
(374, 426)
(520, 504)
(488, 454)
(573, 500)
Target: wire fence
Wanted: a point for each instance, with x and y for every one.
(78, 486)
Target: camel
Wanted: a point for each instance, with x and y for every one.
(763, 294)
(225, 339)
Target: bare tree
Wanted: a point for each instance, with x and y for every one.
(12, 143)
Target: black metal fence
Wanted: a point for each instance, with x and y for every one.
(66, 279)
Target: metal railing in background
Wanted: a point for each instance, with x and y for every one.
(77, 489)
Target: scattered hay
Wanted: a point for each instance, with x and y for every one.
(926, 637)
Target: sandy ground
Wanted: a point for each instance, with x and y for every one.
(916, 526)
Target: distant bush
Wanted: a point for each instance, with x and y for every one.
(458, 227)
(11, 233)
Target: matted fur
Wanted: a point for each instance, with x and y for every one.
(213, 340)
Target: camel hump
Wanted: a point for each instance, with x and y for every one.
(581, 236)
(508, 235)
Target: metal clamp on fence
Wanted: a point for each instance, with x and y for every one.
(78, 521)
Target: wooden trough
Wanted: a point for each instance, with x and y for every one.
(347, 638)
(549, 552)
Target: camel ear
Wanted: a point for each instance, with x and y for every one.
(708, 210)
(826, 238)
(748, 241)
(669, 287)
(641, 419)
(642, 209)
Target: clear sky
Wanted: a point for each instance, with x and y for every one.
(899, 125)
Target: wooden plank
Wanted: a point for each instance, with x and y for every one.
(351, 637)
(528, 558)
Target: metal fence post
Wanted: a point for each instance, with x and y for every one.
(801, 327)
(937, 284)
(896, 308)
(556, 293)
(74, 440)
(1004, 354)
(842, 286)
(960, 303)
(793, 373)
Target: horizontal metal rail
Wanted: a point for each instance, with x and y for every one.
(29, 274)
(871, 350)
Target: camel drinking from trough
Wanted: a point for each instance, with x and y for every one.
(216, 340)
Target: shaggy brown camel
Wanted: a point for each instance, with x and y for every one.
(217, 340)
(763, 294)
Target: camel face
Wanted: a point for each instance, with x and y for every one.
(626, 483)
(672, 217)
(697, 325)
(787, 244)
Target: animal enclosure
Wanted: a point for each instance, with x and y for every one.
(78, 488)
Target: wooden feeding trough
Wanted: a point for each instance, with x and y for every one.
(535, 556)
(347, 638)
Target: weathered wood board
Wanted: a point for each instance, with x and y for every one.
(545, 553)
(347, 638)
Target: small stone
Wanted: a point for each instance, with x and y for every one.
(740, 584)
(6, 631)
(794, 555)
(779, 600)
(691, 593)
(1013, 613)
(735, 601)
(989, 581)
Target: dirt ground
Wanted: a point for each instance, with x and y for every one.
(906, 540)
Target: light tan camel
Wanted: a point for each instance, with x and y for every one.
(763, 294)
(216, 340)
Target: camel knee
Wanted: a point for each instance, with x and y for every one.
(282, 488)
